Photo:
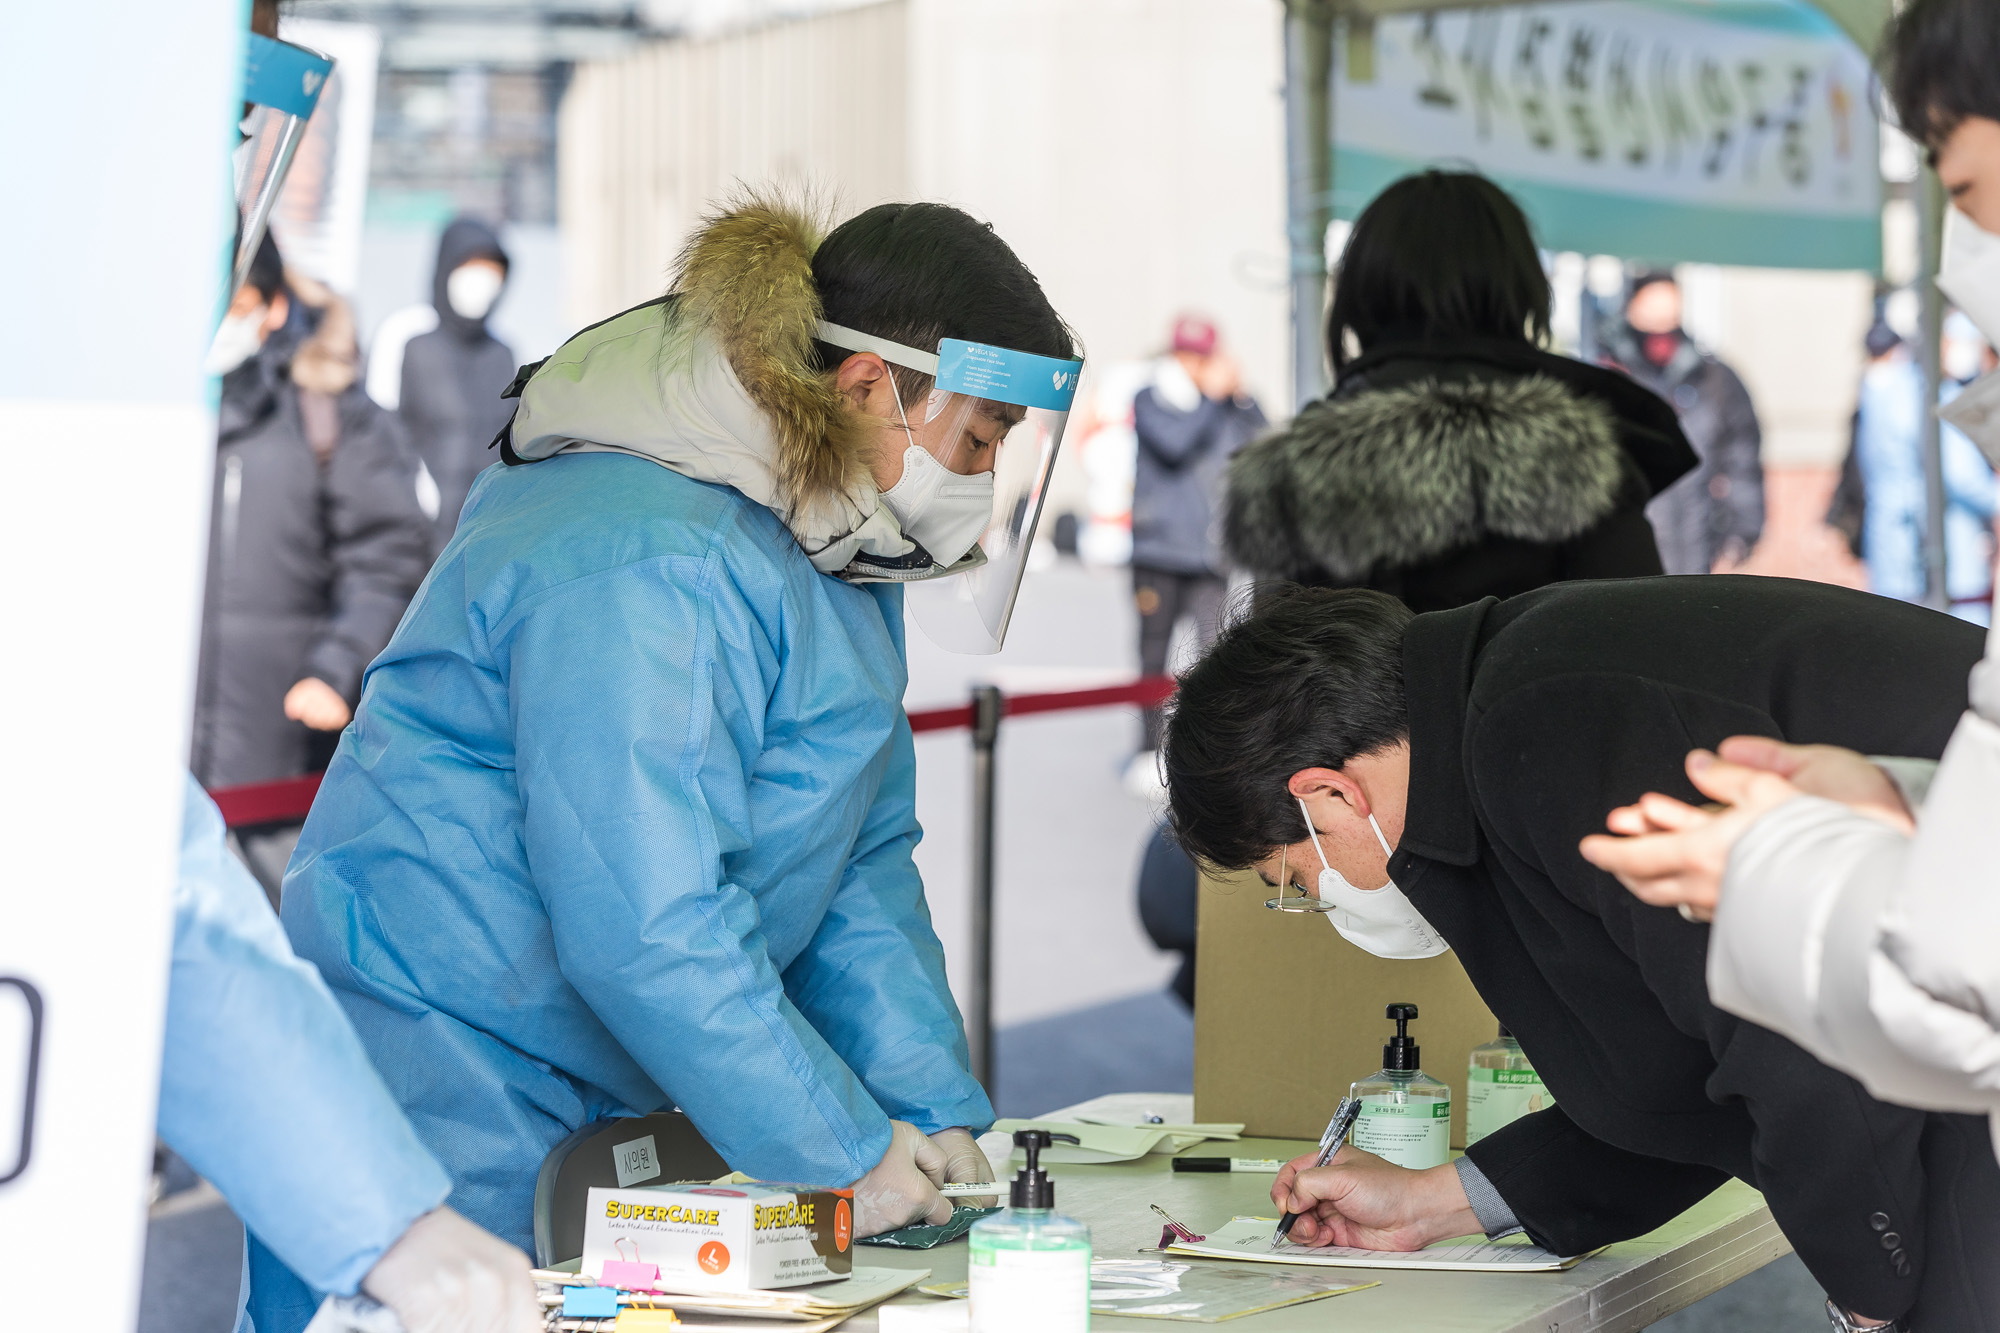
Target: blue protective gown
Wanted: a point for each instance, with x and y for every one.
(624, 820)
(264, 1089)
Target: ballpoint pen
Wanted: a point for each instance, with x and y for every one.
(1329, 1144)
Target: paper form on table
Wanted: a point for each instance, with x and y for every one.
(1250, 1238)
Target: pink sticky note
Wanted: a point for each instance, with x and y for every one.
(631, 1276)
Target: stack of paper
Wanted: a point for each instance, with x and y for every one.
(1119, 1128)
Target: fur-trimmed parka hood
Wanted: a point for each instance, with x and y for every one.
(1399, 475)
(717, 381)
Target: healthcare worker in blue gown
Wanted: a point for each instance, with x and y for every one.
(265, 1091)
(625, 817)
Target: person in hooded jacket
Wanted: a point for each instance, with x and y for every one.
(316, 540)
(1712, 517)
(1454, 459)
(626, 817)
(452, 376)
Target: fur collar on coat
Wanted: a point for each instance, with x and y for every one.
(718, 382)
(1396, 476)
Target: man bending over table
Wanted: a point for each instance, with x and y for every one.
(1435, 773)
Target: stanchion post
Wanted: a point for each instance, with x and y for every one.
(987, 707)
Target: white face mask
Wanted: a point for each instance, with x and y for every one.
(236, 341)
(1970, 276)
(471, 289)
(936, 507)
(1382, 921)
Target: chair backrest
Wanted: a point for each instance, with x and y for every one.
(654, 1149)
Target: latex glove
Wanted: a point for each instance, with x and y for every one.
(964, 1161)
(902, 1189)
(446, 1275)
(1360, 1200)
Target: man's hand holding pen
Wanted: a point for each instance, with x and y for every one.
(1360, 1200)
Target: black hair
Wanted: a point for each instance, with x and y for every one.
(1438, 255)
(1941, 56)
(919, 273)
(1312, 678)
(267, 269)
(1647, 277)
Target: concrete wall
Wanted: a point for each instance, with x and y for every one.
(648, 143)
(1130, 150)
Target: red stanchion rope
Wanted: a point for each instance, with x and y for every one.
(287, 800)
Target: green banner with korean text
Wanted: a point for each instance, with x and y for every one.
(1709, 131)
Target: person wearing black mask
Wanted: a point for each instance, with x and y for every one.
(452, 376)
(1713, 516)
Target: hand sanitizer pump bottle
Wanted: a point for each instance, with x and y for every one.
(1405, 1113)
(1030, 1265)
(1500, 1087)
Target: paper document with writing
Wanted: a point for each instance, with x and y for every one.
(1250, 1238)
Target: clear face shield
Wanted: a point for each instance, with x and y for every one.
(981, 448)
(282, 83)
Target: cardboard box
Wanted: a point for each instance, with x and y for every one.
(1288, 1013)
(723, 1237)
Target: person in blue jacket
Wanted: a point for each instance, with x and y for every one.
(626, 814)
(265, 1091)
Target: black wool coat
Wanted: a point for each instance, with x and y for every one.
(1529, 720)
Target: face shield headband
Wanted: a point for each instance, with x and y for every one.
(975, 476)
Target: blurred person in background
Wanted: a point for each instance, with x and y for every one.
(449, 377)
(1712, 517)
(1889, 454)
(1455, 458)
(1188, 423)
(316, 541)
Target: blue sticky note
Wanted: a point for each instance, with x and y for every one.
(590, 1302)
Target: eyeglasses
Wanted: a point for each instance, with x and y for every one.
(1305, 902)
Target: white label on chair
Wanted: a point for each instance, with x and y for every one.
(637, 1161)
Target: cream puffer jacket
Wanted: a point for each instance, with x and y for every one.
(1880, 953)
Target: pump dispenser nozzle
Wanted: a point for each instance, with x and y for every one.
(1032, 1188)
(1401, 1052)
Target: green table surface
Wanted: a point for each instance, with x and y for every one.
(1627, 1286)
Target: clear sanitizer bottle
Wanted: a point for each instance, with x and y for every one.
(1030, 1265)
(1405, 1114)
(1500, 1087)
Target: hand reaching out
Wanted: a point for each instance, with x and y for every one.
(1672, 854)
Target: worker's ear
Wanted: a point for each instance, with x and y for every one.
(857, 378)
(1316, 786)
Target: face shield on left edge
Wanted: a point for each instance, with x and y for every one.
(282, 82)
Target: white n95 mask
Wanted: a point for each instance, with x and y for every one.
(236, 341)
(1382, 921)
(471, 289)
(939, 509)
(1970, 272)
